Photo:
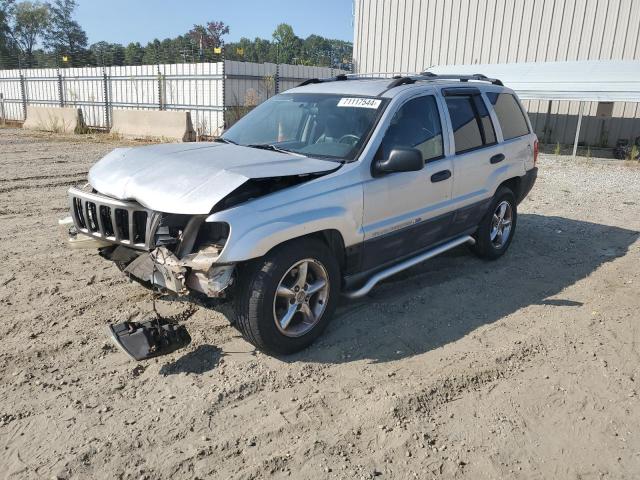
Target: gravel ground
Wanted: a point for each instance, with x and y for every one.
(527, 367)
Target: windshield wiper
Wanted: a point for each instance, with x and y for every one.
(268, 146)
(225, 140)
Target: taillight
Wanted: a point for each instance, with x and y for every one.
(535, 152)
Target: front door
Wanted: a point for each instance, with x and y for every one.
(409, 211)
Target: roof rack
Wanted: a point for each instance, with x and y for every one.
(463, 78)
(337, 78)
(403, 78)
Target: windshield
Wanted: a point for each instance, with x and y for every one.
(313, 124)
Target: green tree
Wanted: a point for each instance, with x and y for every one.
(316, 50)
(29, 22)
(262, 51)
(288, 45)
(5, 39)
(152, 53)
(65, 37)
(133, 54)
(107, 54)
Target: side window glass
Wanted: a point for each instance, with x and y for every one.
(511, 117)
(415, 125)
(466, 124)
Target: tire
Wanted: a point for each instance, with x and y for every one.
(265, 318)
(490, 244)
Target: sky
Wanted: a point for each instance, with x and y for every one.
(124, 21)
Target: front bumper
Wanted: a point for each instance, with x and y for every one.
(160, 267)
(77, 240)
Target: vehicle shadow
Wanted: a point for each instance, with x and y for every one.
(201, 360)
(444, 299)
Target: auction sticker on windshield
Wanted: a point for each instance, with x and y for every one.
(360, 102)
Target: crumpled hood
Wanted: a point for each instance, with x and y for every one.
(191, 178)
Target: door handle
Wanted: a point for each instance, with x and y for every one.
(497, 158)
(440, 176)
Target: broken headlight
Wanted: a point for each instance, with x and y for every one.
(170, 229)
(212, 233)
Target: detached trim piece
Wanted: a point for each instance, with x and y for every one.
(399, 267)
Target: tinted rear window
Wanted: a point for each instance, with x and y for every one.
(510, 115)
(472, 127)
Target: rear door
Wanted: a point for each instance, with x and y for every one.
(408, 211)
(514, 128)
(477, 154)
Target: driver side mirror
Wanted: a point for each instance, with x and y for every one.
(400, 160)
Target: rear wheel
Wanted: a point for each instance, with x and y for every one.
(286, 299)
(497, 228)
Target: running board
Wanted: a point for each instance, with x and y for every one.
(399, 267)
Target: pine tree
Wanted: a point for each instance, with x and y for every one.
(65, 37)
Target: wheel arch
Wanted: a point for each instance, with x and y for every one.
(331, 237)
(515, 185)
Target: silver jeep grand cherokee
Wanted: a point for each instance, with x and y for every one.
(320, 191)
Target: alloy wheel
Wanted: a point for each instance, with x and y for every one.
(301, 298)
(501, 224)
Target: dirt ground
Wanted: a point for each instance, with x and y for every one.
(526, 368)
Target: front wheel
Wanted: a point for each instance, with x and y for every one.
(286, 299)
(497, 228)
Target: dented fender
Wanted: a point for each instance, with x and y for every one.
(253, 232)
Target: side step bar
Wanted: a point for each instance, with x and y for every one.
(399, 267)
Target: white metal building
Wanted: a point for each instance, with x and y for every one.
(413, 35)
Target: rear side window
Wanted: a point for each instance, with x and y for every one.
(511, 117)
(472, 127)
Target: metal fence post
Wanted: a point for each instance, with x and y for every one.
(224, 96)
(107, 106)
(577, 138)
(2, 116)
(23, 93)
(161, 89)
(276, 82)
(60, 90)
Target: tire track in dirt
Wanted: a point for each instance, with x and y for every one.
(43, 177)
(46, 185)
(455, 385)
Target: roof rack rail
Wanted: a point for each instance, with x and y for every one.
(401, 81)
(426, 76)
(309, 81)
(403, 78)
(463, 78)
(337, 78)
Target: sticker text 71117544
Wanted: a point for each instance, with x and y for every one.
(359, 102)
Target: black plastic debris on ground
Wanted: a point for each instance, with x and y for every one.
(142, 340)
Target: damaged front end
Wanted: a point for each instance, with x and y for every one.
(168, 267)
(175, 252)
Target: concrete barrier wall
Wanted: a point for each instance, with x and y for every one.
(159, 124)
(55, 119)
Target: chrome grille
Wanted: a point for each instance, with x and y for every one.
(117, 221)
